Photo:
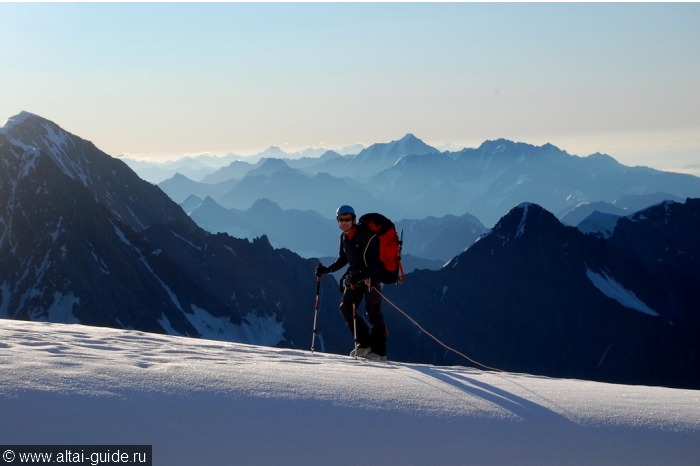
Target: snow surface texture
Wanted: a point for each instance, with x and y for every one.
(214, 403)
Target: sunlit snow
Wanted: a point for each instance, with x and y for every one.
(201, 402)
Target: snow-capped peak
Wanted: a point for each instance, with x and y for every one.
(35, 141)
(32, 133)
(524, 206)
(273, 152)
(16, 120)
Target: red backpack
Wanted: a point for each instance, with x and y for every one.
(389, 246)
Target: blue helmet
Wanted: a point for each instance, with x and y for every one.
(345, 209)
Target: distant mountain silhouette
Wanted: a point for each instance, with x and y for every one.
(436, 240)
(179, 188)
(408, 179)
(440, 238)
(305, 232)
(488, 181)
(294, 189)
(583, 211)
(624, 206)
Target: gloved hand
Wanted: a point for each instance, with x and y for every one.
(321, 269)
(355, 280)
(348, 284)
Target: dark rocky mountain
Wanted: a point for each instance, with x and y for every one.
(599, 224)
(84, 240)
(664, 243)
(30, 143)
(534, 295)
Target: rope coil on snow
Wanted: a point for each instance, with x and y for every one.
(432, 336)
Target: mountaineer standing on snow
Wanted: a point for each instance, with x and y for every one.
(359, 281)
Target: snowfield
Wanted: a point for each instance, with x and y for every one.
(203, 402)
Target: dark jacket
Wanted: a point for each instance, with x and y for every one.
(361, 253)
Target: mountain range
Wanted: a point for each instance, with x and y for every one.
(311, 235)
(84, 240)
(409, 179)
(202, 167)
(413, 182)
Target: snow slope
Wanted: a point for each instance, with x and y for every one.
(206, 402)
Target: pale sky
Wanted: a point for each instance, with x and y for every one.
(168, 79)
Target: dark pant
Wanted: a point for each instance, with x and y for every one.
(376, 338)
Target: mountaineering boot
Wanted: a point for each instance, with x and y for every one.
(374, 356)
(360, 351)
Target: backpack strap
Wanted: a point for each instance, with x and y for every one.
(364, 253)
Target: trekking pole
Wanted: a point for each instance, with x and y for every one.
(318, 292)
(354, 327)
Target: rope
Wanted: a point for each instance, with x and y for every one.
(432, 336)
(364, 254)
